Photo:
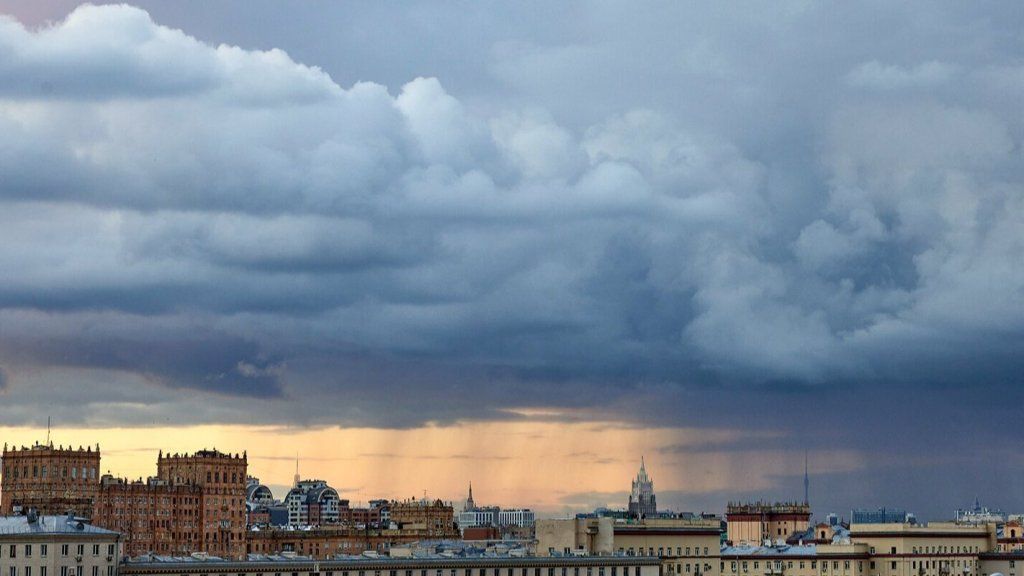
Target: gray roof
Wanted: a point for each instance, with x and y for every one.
(10, 525)
(769, 551)
(165, 564)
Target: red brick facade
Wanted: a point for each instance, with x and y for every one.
(51, 480)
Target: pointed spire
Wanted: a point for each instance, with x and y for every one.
(807, 481)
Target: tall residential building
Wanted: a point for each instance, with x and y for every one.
(642, 502)
(50, 480)
(153, 516)
(222, 478)
(312, 503)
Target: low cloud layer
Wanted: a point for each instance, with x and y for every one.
(756, 213)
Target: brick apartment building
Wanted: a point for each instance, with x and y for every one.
(195, 503)
(50, 480)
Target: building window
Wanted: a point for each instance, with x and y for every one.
(43, 548)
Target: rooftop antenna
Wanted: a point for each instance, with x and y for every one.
(47, 430)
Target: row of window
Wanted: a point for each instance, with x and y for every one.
(214, 477)
(563, 571)
(64, 549)
(942, 549)
(64, 571)
(777, 565)
(689, 568)
(663, 551)
(42, 472)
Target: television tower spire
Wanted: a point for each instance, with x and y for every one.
(807, 481)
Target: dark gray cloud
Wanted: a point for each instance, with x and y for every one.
(648, 213)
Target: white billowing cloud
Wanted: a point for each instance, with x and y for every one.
(170, 199)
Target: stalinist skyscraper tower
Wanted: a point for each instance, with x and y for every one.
(642, 502)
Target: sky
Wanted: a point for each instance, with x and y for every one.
(523, 244)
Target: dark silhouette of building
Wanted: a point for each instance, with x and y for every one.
(642, 502)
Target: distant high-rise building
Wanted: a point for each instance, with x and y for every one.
(516, 517)
(980, 515)
(880, 516)
(470, 505)
(642, 502)
(312, 503)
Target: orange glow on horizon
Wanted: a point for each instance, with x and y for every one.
(552, 467)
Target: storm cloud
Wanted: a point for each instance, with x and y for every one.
(640, 213)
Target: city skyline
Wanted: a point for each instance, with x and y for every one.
(123, 459)
(524, 245)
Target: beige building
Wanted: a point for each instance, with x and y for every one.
(808, 560)
(684, 546)
(1012, 537)
(437, 518)
(56, 546)
(757, 522)
(1005, 563)
(937, 549)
